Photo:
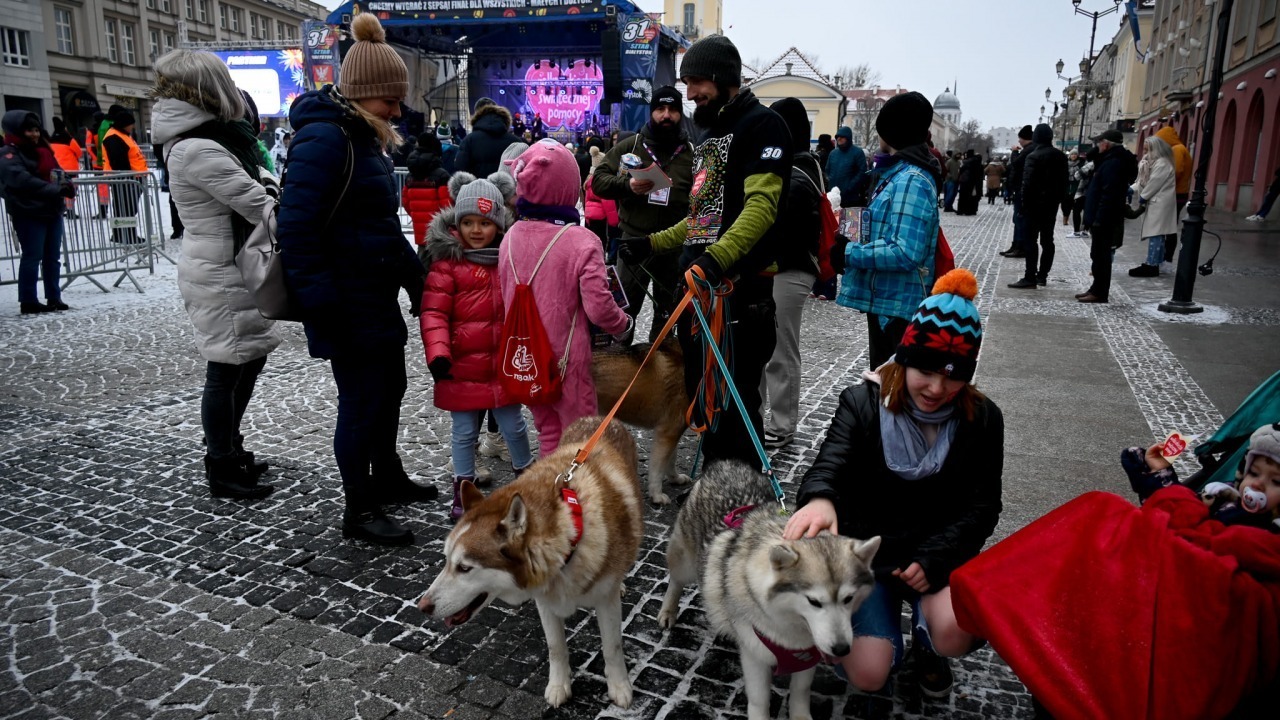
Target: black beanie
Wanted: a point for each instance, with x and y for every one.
(122, 119)
(797, 120)
(1025, 132)
(904, 120)
(715, 58)
(668, 96)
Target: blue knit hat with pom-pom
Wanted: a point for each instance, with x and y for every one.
(945, 333)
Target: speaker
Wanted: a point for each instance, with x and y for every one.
(611, 65)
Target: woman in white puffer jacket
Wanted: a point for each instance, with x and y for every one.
(214, 179)
(1155, 190)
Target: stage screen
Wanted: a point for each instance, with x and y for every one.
(564, 92)
(273, 78)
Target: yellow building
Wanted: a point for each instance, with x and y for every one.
(792, 75)
(694, 18)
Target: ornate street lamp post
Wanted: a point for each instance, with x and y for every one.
(1087, 64)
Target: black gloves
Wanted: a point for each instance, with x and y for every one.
(711, 269)
(439, 368)
(837, 253)
(67, 190)
(415, 288)
(635, 249)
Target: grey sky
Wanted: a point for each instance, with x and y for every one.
(1001, 52)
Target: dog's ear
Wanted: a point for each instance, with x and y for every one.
(517, 518)
(865, 550)
(470, 495)
(783, 557)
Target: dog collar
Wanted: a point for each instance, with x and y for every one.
(733, 519)
(575, 513)
(794, 661)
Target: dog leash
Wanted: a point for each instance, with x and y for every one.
(694, 276)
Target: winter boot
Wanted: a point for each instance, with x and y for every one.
(228, 478)
(371, 524)
(392, 486)
(483, 478)
(255, 467)
(492, 445)
(456, 511)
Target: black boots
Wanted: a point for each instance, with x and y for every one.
(372, 525)
(392, 486)
(33, 308)
(229, 478)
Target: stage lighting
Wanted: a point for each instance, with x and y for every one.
(537, 65)
(502, 91)
(586, 63)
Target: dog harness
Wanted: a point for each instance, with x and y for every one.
(575, 513)
(789, 661)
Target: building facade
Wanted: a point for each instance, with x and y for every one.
(1004, 139)
(24, 83)
(861, 111)
(100, 52)
(1246, 143)
(694, 18)
(793, 75)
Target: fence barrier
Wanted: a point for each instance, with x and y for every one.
(112, 227)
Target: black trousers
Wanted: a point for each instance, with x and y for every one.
(1077, 209)
(667, 276)
(1039, 235)
(371, 386)
(882, 343)
(1103, 241)
(227, 390)
(753, 332)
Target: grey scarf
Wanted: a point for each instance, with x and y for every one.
(482, 256)
(906, 452)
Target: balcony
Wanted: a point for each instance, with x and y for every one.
(690, 31)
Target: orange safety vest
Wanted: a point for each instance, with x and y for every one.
(68, 155)
(137, 163)
(91, 147)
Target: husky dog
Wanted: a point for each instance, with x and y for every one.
(657, 401)
(519, 543)
(787, 603)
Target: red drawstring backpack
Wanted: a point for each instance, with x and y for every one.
(529, 371)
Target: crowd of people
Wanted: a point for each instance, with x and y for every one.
(499, 223)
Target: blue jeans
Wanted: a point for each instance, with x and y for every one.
(466, 430)
(949, 193)
(1155, 249)
(880, 616)
(371, 386)
(41, 241)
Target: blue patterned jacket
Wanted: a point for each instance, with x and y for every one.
(892, 272)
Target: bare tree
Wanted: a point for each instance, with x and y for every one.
(971, 137)
(852, 77)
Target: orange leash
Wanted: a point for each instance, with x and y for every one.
(712, 391)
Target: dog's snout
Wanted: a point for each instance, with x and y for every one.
(426, 605)
(840, 650)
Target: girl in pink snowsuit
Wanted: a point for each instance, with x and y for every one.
(571, 280)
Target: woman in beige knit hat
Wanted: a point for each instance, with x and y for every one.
(345, 261)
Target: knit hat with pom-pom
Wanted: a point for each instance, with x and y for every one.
(945, 333)
(371, 69)
(482, 196)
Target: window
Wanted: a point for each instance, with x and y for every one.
(151, 4)
(113, 51)
(17, 47)
(166, 6)
(236, 17)
(62, 31)
(154, 37)
(204, 10)
(126, 36)
(279, 30)
(1267, 12)
(253, 25)
(168, 42)
(688, 15)
(191, 9)
(222, 16)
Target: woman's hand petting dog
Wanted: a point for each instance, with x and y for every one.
(818, 515)
(914, 577)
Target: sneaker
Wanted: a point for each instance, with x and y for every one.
(1024, 284)
(1255, 218)
(483, 478)
(773, 441)
(933, 672)
(492, 445)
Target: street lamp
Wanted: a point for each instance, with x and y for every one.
(1087, 64)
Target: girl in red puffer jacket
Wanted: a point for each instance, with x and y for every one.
(427, 191)
(462, 318)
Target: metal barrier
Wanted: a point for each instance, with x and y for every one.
(113, 227)
(406, 223)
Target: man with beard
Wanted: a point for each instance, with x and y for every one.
(642, 210)
(740, 176)
(890, 272)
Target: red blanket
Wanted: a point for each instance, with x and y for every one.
(1105, 610)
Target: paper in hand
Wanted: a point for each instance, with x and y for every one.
(653, 174)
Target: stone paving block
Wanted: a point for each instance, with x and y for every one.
(375, 709)
(49, 678)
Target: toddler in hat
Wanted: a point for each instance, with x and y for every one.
(570, 287)
(1254, 498)
(462, 318)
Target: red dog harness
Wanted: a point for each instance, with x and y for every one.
(789, 661)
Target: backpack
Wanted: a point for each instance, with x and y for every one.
(259, 259)
(528, 369)
(944, 260)
(828, 226)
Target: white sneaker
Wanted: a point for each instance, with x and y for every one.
(1255, 218)
(482, 473)
(1167, 268)
(492, 445)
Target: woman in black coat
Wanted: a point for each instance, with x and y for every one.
(345, 260)
(914, 456)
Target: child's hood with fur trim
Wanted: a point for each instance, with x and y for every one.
(443, 242)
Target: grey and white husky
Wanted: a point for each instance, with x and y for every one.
(787, 603)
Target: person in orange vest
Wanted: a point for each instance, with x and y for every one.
(67, 151)
(93, 149)
(121, 154)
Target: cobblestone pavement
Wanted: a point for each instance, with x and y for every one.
(126, 591)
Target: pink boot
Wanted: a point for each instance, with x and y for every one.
(455, 512)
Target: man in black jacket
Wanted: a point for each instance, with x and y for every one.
(1044, 182)
(740, 177)
(481, 149)
(1115, 170)
(797, 269)
(1015, 191)
(641, 210)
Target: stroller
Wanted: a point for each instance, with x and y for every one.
(1104, 609)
